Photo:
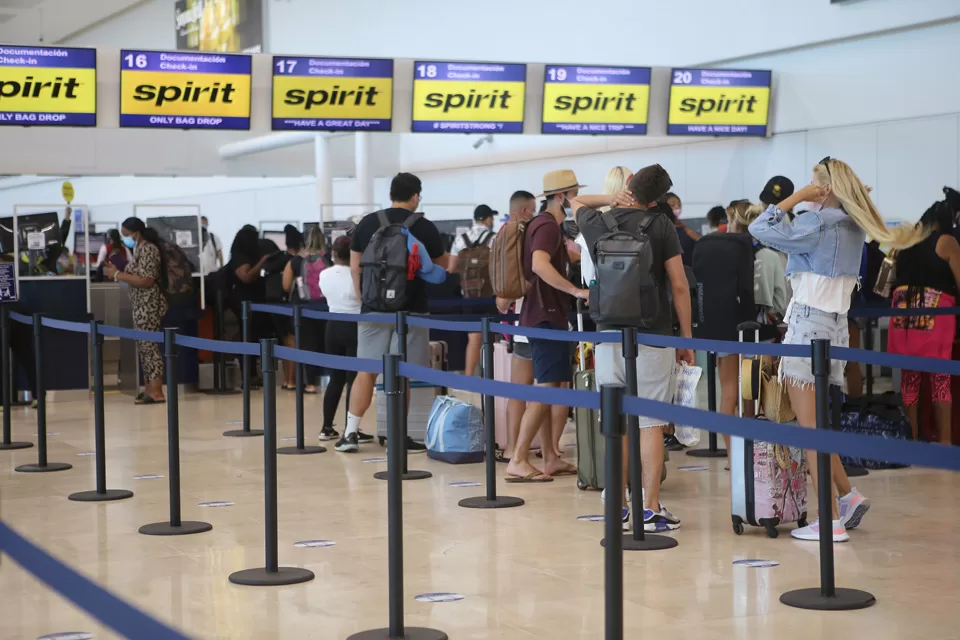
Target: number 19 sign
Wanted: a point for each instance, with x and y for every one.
(468, 97)
(596, 100)
(184, 90)
(719, 102)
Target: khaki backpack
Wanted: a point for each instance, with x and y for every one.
(506, 260)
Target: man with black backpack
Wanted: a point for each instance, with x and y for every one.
(470, 258)
(385, 258)
(638, 258)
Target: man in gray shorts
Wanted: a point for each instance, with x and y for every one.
(374, 340)
(655, 366)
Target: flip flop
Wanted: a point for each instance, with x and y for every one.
(566, 471)
(148, 400)
(288, 388)
(534, 477)
(310, 393)
(499, 457)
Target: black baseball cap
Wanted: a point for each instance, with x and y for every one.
(483, 212)
(777, 190)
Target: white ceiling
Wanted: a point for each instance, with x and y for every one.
(53, 21)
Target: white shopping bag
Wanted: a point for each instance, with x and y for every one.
(687, 378)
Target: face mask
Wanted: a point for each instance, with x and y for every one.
(816, 207)
(676, 212)
(129, 242)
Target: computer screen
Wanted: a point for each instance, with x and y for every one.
(37, 229)
(97, 240)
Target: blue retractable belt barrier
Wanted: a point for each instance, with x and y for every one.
(360, 365)
(19, 317)
(384, 318)
(107, 608)
(276, 309)
(444, 325)
(63, 325)
(896, 361)
(219, 346)
(131, 334)
(887, 312)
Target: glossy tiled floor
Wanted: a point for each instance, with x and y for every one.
(531, 572)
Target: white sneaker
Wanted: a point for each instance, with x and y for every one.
(853, 507)
(812, 532)
(603, 497)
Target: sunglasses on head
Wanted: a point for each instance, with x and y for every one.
(826, 163)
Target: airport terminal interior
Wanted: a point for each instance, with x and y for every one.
(370, 320)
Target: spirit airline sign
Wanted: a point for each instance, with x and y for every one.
(48, 86)
(468, 97)
(182, 90)
(332, 94)
(719, 102)
(596, 100)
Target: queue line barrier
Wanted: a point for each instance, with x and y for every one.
(822, 440)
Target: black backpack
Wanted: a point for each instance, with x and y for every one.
(626, 293)
(383, 267)
(272, 276)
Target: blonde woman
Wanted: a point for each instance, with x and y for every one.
(824, 247)
(615, 182)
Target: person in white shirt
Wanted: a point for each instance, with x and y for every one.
(340, 339)
(113, 244)
(481, 232)
(211, 256)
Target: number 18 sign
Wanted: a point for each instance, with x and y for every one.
(468, 97)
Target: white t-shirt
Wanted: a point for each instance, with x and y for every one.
(476, 232)
(208, 255)
(336, 284)
(822, 292)
(587, 271)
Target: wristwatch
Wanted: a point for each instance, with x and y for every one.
(116, 276)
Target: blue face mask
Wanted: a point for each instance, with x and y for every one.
(129, 242)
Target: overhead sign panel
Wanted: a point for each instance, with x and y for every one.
(219, 25)
(719, 102)
(468, 97)
(183, 90)
(48, 86)
(596, 100)
(332, 94)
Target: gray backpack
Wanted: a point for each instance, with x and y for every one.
(625, 293)
(383, 267)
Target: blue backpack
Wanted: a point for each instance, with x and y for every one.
(454, 432)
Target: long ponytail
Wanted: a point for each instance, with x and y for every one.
(855, 199)
(136, 225)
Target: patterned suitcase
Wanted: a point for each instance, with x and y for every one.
(768, 482)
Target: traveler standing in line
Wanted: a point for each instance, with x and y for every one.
(928, 276)
(301, 281)
(276, 291)
(376, 339)
(770, 289)
(211, 254)
(688, 237)
(474, 280)
(778, 189)
(655, 366)
(336, 284)
(724, 266)
(147, 278)
(824, 248)
(716, 218)
(113, 252)
(545, 307)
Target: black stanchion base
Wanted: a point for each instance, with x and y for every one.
(855, 472)
(707, 453)
(500, 502)
(50, 466)
(409, 633)
(844, 600)
(107, 496)
(10, 446)
(240, 433)
(412, 474)
(221, 392)
(263, 578)
(186, 528)
(293, 451)
(650, 542)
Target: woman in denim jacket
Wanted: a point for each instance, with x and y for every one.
(824, 247)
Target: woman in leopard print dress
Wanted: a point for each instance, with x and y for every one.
(146, 277)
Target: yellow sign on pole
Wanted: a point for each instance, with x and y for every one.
(67, 191)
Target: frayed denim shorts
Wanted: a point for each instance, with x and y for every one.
(805, 324)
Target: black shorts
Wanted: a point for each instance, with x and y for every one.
(552, 359)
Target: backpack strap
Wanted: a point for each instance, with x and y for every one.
(609, 220)
(466, 242)
(481, 241)
(382, 219)
(647, 222)
(411, 219)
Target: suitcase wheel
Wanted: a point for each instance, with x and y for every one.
(581, 485)
(737, 525)
(381, 440)
(772, 532)
(802, 522)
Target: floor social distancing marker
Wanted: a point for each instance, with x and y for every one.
(439, 597)
(693, 468)
(150, 476)
(68, 635)
(87, 453)
(313, 544)
(590, 518)
(374, 460)
(215, 504)
(465, 484)
(756, 563)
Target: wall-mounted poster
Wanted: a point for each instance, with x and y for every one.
(227, 26)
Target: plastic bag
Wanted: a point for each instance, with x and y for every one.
(687, 379)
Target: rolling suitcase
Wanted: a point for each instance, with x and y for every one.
(768, 482)
(502, 361)
(422, 397)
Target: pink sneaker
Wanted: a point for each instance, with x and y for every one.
(853, 507)
(812, 532)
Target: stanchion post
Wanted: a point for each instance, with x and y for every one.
(640, 541)
(101, 493)
(868, 344)
(827, 597)
(271, 574)
(301, 448)
(393, 384)
(42, 465)
(612, 427)
(246, 359)
(491, 500)
(402, 330)
(8, 444)
(219, 359)
(712, 450)
(176, 526)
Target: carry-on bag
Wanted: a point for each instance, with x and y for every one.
(768, 481)
(879, 416)
(502, 363)
(454, 432)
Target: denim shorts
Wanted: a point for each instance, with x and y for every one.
(805, 324)
(522, 351)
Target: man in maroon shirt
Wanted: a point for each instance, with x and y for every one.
(545, 307)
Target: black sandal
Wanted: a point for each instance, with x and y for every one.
(148, 400)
